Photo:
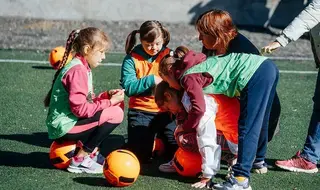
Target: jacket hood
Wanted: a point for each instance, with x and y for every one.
(191, 59)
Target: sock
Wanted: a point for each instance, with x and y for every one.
(240, 178)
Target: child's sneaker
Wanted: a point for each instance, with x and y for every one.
(260, 167)
(234, 183)
(97, 157)
(167, 167)
(84, 165)
(297, 164)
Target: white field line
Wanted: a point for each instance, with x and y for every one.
(119, 64)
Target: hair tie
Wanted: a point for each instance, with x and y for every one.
(76, 33)
(171, 53)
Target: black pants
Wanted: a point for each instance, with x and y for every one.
(144, 126)
(92, 136)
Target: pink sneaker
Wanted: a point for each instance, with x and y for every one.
(297, 164)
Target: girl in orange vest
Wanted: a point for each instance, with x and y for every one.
(139, 76)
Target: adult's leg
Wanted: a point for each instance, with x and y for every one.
(274, 119)
(311, 150)
(306, 161)
(253, 105)
(263, 139)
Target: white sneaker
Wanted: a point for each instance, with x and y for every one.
(97, 157)
(87, 165)
(167, 167)
(233, 184)
(260, 167)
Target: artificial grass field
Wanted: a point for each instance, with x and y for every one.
(24, 146)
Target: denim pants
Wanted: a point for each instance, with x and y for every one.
(142, 128)
(311, 149)
(255, 106)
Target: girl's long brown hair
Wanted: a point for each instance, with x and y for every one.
(219, 25)
(77, 40)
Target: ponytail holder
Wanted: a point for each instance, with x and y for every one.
(76, 33)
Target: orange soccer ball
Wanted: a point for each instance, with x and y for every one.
(56, 55)
(60, 154)
(121, 168)
(187, 164)
(158, 147)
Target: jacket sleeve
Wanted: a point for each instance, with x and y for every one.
(76, 84)
(129, 81)
(304, 22)
(192, 84)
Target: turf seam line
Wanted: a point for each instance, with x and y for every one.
(119, 65)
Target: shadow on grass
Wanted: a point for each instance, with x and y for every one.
(153, 171)
(93, 181)
(33, 159)
(38, 139)
(41, 139)
(272, 166)
(43, 67)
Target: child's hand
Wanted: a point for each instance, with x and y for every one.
(204, 182)
(182, 140)
(178, 130)
(117, 97)
(179, 136)
(157, 79)
(114, 91)
(270, 48)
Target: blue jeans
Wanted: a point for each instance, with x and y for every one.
(255, 106)
(311, 149)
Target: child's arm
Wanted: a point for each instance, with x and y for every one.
(192, 84)
(129, 81)
(209, 149)
(75, 82)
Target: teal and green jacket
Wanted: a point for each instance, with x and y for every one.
(137, 78)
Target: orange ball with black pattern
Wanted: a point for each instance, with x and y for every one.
(186, 163)
(60, 154)
(158, 147)
(121, 168)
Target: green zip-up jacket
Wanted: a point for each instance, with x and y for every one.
(230, 72)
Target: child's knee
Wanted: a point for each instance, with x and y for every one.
(118, 113)
(114, 114)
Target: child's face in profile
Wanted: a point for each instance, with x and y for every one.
(95, 56)
(172, 103)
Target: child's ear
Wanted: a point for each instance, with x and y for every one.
(167, 96)
(86, 49)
